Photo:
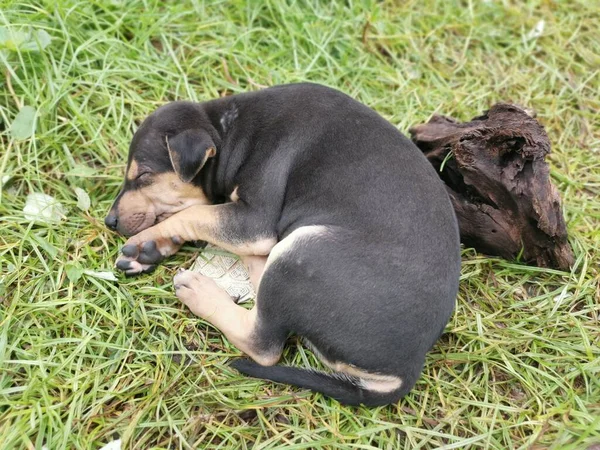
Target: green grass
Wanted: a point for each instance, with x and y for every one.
(86, 362)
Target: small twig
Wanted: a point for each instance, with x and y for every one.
(3, 167)
(227, 74)
(12, 91)
(365, 31)
(426, 420)
(250, 80)
(255, 84)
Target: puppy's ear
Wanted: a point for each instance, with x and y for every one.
(189, 151)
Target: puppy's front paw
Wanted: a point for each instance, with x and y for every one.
(132, 267)
(141, 255)
(199, 293)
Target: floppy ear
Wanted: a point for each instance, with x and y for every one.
(189, 151)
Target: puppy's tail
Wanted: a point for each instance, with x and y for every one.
(345, 389)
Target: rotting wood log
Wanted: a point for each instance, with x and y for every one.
(498, 180)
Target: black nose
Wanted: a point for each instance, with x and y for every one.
(111, 221)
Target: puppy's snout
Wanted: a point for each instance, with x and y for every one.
(111, 220)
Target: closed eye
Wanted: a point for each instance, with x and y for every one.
(143, 176)
(143, 179)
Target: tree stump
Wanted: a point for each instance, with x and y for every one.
(498, 180)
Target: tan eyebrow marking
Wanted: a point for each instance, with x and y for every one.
(133, 170)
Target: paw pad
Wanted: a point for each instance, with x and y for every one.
(130, 251)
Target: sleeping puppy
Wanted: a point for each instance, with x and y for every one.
(348, 233)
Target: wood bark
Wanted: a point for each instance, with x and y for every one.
(498, 180)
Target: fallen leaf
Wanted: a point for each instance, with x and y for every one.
(23, 126)
(108, 276)
(83, 199)
(43, 208)
(82, 171)
(38, 41)
(12, 39)
(113, 445)
(24, 39)
(537, 31)
(74, 272)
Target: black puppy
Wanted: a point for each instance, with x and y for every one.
(349, 235)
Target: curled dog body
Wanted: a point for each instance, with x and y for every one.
(348, 233)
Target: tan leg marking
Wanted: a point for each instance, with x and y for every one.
(201, 223)
(390, 385)
(208, 301)
(256, 268)
(196, 223)
(371, 381)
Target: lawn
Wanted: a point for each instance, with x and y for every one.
(85, 360)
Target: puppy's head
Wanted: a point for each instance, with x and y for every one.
(164, 168)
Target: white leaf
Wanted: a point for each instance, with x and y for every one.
(23, 126)
(113, 445)
(562, 296)
(537, 31)
(108, 276)
(24, 39)
(43, 208)
(83, 199)
(39, 40)
(12, 39)
(82, 171)
(5, 179)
